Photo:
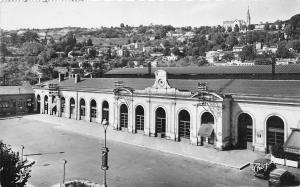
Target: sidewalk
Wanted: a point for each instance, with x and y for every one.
(232, 158)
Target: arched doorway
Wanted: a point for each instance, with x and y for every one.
(82, 109)
(183, 125)
(105, 111)
(139, 118)
(46, 104)
(93, 113)
(62, 105)
(72, 108)
(207, 122)
(245, 131)
(54, 108)
(160, 122)
(275, 131)
(123, 116)
(38, 104)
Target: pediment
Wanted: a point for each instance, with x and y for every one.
(207, 96)
(123, 90)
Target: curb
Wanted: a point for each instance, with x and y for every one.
(147, 147)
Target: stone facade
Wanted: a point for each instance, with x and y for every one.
(164, 111)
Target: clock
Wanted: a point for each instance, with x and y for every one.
(161, 82)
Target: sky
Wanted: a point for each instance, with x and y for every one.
(97, 13)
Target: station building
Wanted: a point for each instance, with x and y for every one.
(16, 100)
(219, 113)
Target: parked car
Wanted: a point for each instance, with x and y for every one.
(262, 168)
(279, 177)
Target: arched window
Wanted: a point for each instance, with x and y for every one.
(105, 110)
(139, 118)
(62, 105)
(245, 137)
(123, 116)
(184, 124)
(93, 112)
(72, 108)
(275, 131)
(207, 121)
(82, 109)
(46, 104)
(38, 102)
(160, 122)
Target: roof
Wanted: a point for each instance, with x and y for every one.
(281, 88)
(12, 90)
(259, 69)
(293, 142)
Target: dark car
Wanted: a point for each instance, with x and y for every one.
(262, 168)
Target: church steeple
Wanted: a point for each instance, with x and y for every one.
(248, 17)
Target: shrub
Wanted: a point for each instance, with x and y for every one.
(277, 151)
(14, 172)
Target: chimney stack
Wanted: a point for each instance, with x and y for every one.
(77, 78)
(61, 77)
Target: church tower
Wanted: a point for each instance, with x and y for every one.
(248, 17)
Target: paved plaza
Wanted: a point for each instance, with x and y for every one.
(48, 141)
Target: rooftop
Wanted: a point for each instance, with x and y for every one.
(13, 90)
(259, 69)
(273, 88)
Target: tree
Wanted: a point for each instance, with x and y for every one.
(228, 57)
(251, 27)
(167, 51)
(248, 53)
(32, 48)
(229, 29)
(273, 27)
(14, 171)
(89, 42)
(231, 41)
(30, 36)
(282, 51)
(267, 27)
(74, 65)
(295, 26)
(122, 25)
(201, 61)
(3, 49)
(236, 28)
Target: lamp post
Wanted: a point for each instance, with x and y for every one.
(105, 151)
(22, 152)
(64, 172)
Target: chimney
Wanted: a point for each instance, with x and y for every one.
(61, 77)
(77, 78)
(149, 69)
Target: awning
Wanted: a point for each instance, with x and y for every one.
(206, 130)
(292, 144)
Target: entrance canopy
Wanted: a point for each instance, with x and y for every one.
(205, 130)
(292, 144)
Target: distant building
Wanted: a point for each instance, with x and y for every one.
(240, 23)
(212, 56)
(237, 48)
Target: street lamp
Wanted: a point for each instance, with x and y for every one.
(105, 151)
(64, 172)
(22, 152)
